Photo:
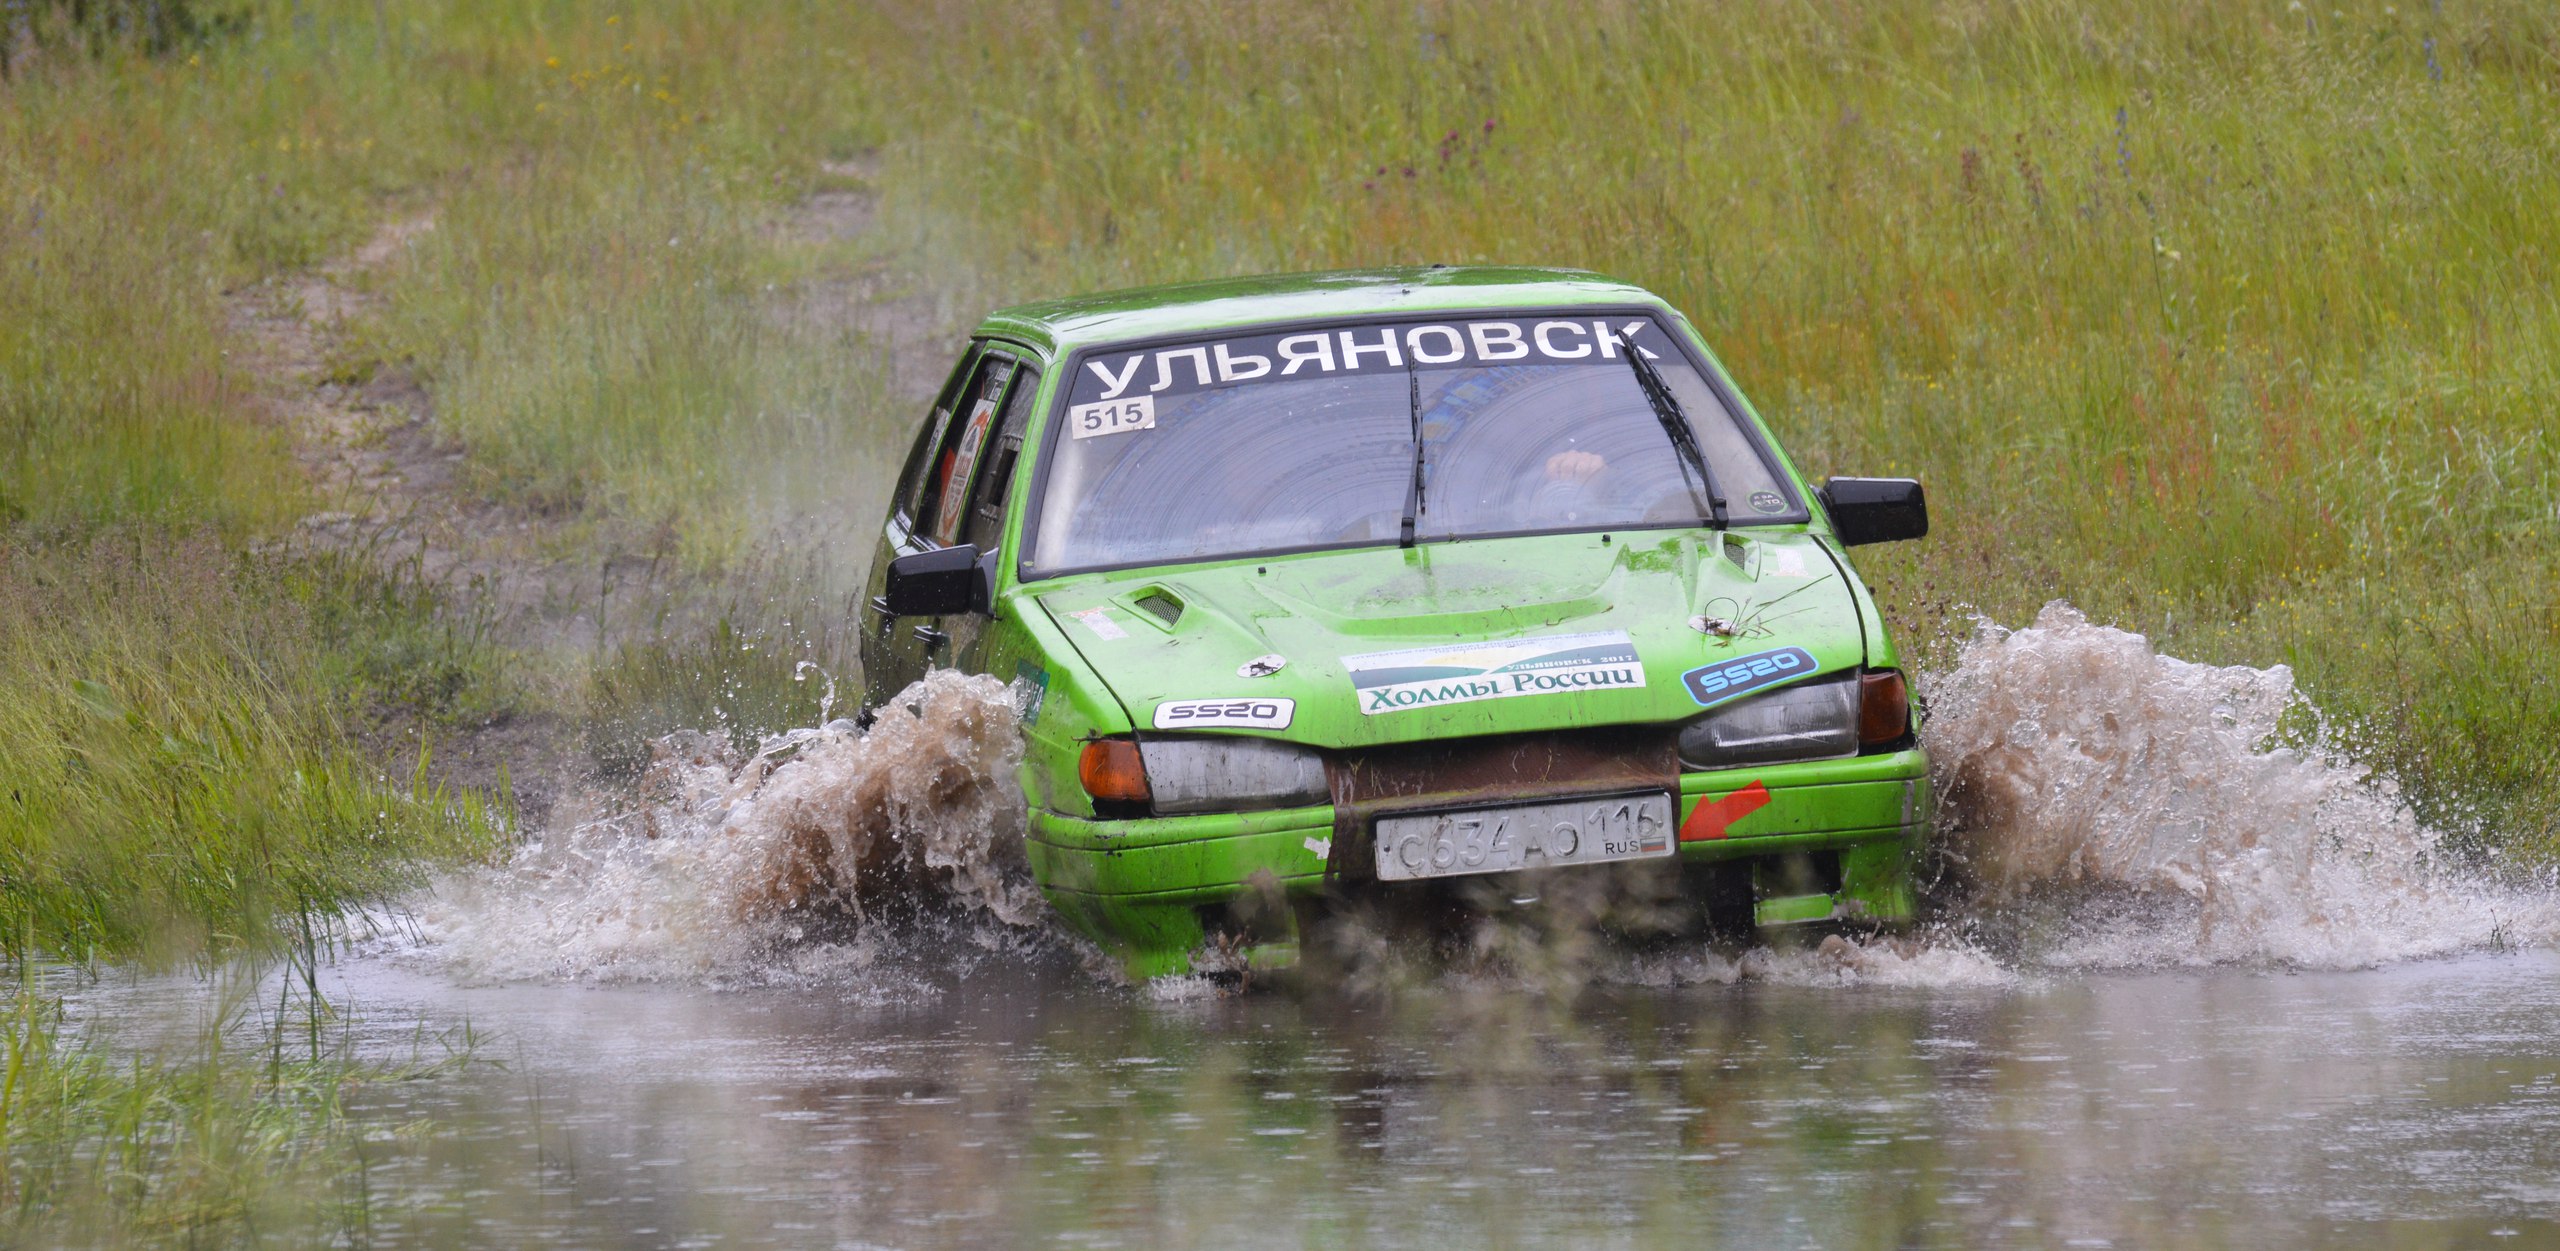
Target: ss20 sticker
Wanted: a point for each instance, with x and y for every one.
(1225, 714)
(1730, 679)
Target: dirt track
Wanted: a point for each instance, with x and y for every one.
(391, 481)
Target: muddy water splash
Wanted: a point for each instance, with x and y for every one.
(728, 867)
(2120, 807)
(2107, 806)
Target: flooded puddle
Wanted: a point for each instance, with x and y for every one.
(2202, 991)
(2407, 1106)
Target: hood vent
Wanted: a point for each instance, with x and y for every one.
(1160, 604)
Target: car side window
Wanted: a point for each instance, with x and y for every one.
(995, 473)
(938, 514)
(912, 480)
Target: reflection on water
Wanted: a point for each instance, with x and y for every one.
(2405, 1107)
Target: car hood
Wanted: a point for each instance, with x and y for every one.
(1386, 645)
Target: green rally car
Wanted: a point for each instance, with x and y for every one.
(1347, 583)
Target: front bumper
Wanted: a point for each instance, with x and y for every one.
(1142, 887)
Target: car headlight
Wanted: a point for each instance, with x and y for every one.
(1188, 775)
(1805, 721)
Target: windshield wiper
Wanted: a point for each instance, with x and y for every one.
(1676, 424)
(1413, 501)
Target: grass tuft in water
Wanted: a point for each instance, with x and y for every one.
(240, 1132)
(176, 769)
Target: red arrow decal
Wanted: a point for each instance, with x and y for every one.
(1713, 817)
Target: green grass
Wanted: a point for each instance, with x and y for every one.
(596, 312)
(134, 191)
(772, 648)
(588, 313)
(179, 743)
(178, 778)
(2234, 324)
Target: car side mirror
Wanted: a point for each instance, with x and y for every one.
(938, 583)
(1875, 510)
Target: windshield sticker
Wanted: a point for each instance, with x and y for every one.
(1225, 714)
(1431, 677)
(1136, 412)
(1340, 352)
(1099, 621)
(1732, 679)
(1768, 502)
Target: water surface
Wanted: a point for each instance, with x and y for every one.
(2412, 1106)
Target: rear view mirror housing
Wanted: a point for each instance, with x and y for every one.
(938, 583)
(1875, 510)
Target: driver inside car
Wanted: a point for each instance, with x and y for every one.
(1571, 486)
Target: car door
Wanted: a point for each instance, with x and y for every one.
(983, 523)
(897, 651)
(881, 664)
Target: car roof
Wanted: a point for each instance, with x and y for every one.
(1155, 312)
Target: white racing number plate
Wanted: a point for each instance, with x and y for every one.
(1533, 836)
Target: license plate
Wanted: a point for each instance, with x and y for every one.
(1532, 836)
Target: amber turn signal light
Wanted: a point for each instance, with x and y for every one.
(1884, 708)
(1110, 770)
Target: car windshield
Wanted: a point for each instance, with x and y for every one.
(1305, 439)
